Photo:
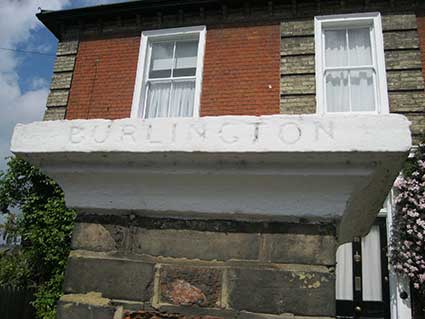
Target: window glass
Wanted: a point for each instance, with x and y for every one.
(186, 58)
(336, 48)
(360, 52)
(337, 93)
(161, 60)
(362, 90)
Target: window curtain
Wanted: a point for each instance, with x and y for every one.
(157, 100)
(371, 266)
(344, 272)
(182, 99)
(177, 103)
(342, 53)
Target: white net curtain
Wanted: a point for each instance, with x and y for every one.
(349, 70)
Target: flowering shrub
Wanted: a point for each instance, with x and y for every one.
(407, 250)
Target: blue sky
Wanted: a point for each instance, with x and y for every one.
(25, 78)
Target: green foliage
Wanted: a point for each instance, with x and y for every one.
(44, 226)
(15, 270)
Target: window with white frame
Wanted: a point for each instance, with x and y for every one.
(350, 64)
(169, 75)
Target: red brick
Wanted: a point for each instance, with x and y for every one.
(103, 82)
(241, 64)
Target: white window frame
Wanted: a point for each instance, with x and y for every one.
(377, 45)
(139, 96)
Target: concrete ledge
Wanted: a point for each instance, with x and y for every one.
(220, 134)
(334, 167)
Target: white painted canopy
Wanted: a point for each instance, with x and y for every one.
(269, 167)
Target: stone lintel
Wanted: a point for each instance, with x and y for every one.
(335, 167)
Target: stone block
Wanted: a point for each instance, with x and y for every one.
(298, 104)
(409, 101)
(198, 311)
(298, 84)
(57, 98)
(61, 80)
(91, 305)
(405, 80)
(193, 244)
(401, 40)
(190, 285)
(297, 45)
(114, 278)
(80, 311)
(54, 113)
(64, 63)
(305, 292)
(396, 22)
(298, 64)
(297, 28)
(67, 48)
(97, 237)
(301, 249)
(403, 59)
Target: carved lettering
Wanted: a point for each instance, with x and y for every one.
(256, 135)
(76, 134)
(200, 131)
(290, 133)
(318, 126)
(228, 139)
(173, 133)
(150, 134)
(127, 133)
(103, 135)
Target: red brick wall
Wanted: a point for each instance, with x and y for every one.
(240, 66)
(241, 74)
(103, 82)
(420, 21)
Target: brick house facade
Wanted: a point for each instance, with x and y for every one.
(247, 242)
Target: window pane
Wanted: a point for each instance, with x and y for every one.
(337, 91)
(182, 99)
(158, 96)
(186, 57)
(359, 46)
(161, 60)
(371, 266)
(362, 91)
(335, 48)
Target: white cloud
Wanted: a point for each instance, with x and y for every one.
(17, 22)
(17, 26)
(38, 83)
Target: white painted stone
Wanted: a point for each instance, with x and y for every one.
(282, 166)
(274, 133)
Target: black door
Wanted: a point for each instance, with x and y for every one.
(368, 292)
